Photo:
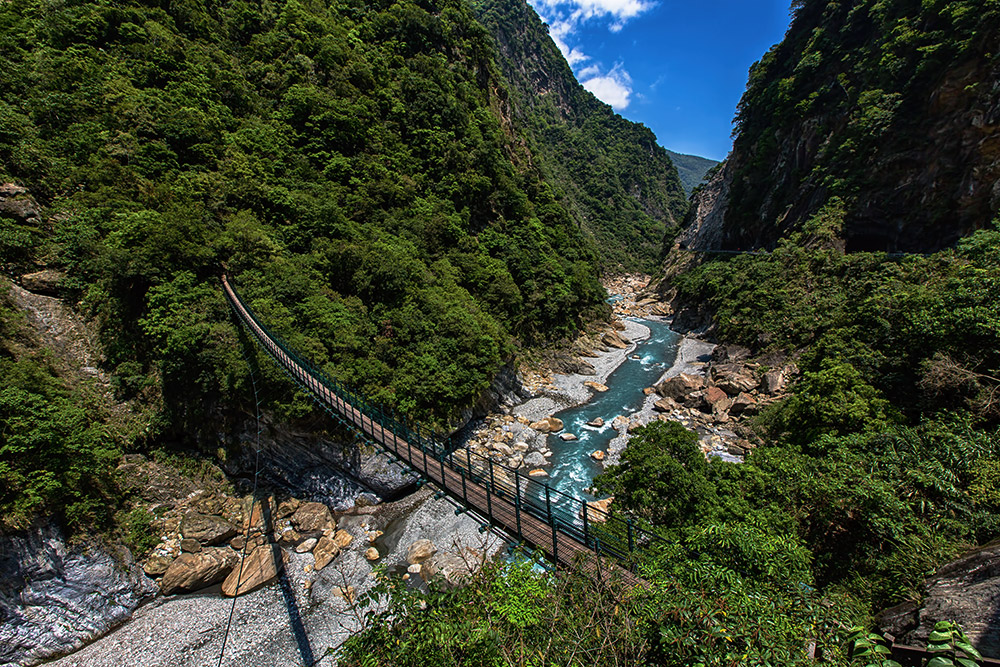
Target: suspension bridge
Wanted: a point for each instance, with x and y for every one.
(566, 529)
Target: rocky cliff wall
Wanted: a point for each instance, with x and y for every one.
(56, 597)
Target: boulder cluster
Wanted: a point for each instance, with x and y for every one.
(515, 442)
(208, 535)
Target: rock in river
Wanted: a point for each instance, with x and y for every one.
(548, 425)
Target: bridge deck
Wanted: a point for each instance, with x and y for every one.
(458, 479)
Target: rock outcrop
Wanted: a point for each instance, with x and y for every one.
(966, 590)
(54, 597)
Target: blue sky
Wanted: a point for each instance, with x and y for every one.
(677, 67)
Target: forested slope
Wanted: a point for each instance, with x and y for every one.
(352, 165)
(887, 110)
(618, 183)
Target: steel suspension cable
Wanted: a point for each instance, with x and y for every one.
(253, 501)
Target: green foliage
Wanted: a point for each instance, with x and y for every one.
(662, 477)
(55, 456)
(347, 164)
(921, 332)
(511, 615)
(869, 649)
(692, 169)
(618, 184)
(951, 647)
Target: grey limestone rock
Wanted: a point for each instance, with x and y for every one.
(55, 598)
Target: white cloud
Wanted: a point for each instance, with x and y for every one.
(614, 88)
(566, 16)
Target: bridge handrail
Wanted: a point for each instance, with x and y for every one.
(599, 530)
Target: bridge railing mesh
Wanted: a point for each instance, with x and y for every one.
(601, 531)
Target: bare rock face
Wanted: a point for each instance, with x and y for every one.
(312, 518)
(207, 529)
(191, 572)
(54, 597)
(680, 386)
(966, 590)
(259, 568)
(733, 378)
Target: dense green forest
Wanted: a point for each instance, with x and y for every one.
(618, 183)
(348, 164)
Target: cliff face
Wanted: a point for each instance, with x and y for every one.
(890, 110)
(620, 186)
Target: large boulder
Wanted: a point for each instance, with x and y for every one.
(744, 404)
(43, 282)
(207, 529)
(680, 386)
(733, 378)
(326, 550)
(533, 460)
(597, 510)
(666, 405)
(420, 551)
(312, 518)
(259, 568)
(453, 569)
(548, 425)
(17, 203)
(613, 339)
(772, 383)
(191, 572)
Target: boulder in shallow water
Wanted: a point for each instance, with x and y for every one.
(548, 425)
(598, 455)
(597, 422)
(567, 437)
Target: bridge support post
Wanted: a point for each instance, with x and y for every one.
(586, 534)
(631, 539)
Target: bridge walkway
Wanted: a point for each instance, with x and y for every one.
(569, 531)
